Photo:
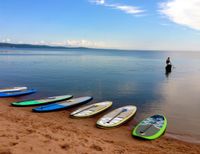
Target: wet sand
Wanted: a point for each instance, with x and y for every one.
(24, 132)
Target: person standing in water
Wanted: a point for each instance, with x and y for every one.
(168, 68)
(168, 62)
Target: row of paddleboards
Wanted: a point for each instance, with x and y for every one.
(150, 128)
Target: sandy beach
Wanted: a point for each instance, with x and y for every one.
(22, 131)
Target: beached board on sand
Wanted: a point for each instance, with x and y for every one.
(42, 101)
(12, 89)
(117, 116)
(151, 128)
(63, 104)
(17, 93)
(90, 110)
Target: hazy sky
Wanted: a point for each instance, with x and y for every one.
(124, 24)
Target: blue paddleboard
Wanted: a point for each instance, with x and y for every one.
(17, 93)
(63, 104)
(12, 89)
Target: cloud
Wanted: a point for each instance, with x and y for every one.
(183, 12)
(6, 40)
(80, 43)
(125, 8)
(67, 43)
(99, 1)
(71, 43)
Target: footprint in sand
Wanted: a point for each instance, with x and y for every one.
(65, 146)
(96, 147)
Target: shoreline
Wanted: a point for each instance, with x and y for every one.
(183, 138)
(22, 131)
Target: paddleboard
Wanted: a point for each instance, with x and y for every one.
(11, 89)
(151, 128)
(17, 93)
(42, 101)
(63, 104)
(90, 110)
(117, 116)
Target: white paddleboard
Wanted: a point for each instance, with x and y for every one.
(91, 110)
(117, 116)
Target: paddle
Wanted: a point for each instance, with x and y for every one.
(124, 110)
(85, 109)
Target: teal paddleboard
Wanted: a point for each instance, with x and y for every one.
(151, 128)
(42, 101)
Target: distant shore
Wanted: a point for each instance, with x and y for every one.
(22, 131)
(33, 46)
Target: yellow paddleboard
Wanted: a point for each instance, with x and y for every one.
(90, 110)
(117, 116)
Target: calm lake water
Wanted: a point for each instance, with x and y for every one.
(124, 77)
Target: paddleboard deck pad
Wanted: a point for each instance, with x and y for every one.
(117, 117)
(151, 128)
(17, 93)
(42, 101)
(91, 110)
(12, 89)
(63, 104)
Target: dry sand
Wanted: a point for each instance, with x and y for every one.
(25, 132)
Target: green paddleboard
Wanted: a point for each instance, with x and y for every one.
(42, 101)
(151, 128)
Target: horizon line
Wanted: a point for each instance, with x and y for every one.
(16, 45)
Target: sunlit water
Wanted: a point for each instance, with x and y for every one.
(124, 77)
